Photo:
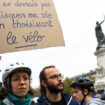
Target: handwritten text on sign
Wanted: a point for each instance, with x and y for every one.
(28, 24)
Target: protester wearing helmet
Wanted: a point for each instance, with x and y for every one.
(16, 89)
(82, 92)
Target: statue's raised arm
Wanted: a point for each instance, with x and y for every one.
(102, 22)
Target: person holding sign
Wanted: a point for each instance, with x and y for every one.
(52, 88)
(16, 86)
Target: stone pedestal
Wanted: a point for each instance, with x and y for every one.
(100, 70)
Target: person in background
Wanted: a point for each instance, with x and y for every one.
(98, 95)
(82, 92)
(103, 96)
(52, 88)
(16, 86)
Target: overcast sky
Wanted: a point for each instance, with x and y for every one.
(77, 19)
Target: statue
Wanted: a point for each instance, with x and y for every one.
(99, 34)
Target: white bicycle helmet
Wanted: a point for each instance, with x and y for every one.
(14, 68)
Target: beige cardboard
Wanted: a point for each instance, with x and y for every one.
(28, 24)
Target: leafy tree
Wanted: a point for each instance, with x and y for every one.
(67, 82)
(36, 92)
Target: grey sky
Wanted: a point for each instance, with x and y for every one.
(77, 19)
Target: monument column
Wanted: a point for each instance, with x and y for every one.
(100, 70)
(100, 54)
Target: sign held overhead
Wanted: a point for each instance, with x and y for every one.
(28, 24)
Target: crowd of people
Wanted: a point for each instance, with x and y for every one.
(16, 88)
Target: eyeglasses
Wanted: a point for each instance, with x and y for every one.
(19, 79)
(55, 76)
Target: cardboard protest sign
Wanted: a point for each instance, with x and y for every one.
(28, 24)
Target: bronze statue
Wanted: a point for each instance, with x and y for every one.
(99, 34)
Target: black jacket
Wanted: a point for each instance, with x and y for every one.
(42, 100)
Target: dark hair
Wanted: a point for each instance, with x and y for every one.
(42, 76)
(3, 93)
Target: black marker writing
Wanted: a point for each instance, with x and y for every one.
(33, 37)
(11, 39)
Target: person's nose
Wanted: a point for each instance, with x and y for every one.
(22, 81)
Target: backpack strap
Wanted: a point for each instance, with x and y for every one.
(69, 100)
(33, 103)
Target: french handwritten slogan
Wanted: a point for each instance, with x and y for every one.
(28, 24)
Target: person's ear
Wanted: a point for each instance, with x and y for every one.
(43, 82)
(85, 91)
